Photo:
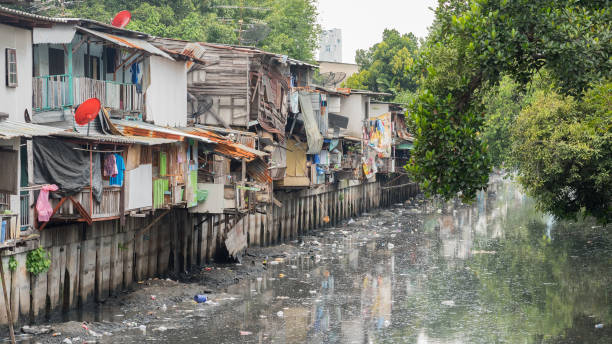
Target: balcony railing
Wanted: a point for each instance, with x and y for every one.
(52, 92)
(108, 207)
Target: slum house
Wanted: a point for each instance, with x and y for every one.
(78, 59)
(244, 90)
(15, 104)
(391, 115)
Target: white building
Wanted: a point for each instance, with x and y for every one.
(331, 46)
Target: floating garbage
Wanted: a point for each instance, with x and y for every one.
(449, 303)
(36, 330)
(200, 298)
(599, 326)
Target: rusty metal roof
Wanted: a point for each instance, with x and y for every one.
(143, 129)
(118, 139)
(10, 129)
(128, 42)
(227, 147)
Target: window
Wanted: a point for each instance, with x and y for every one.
(56, 61)
(11, 67)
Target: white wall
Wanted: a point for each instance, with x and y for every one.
(166, 96)
(355, 107)
(15, 100)
(378, 109)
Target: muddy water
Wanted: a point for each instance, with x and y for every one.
(496, 271)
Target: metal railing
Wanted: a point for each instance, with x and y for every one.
(53, 92)
(24, 210)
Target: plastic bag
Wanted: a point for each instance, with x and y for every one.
(43, 207)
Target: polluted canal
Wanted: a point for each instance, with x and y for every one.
(495, 271)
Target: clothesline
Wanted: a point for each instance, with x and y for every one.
(99, 151)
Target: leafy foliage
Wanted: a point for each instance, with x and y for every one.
(471, 46)
(282, 26)
(502, 105)
(387, 66)
(563, 150)
(38, 261)
(12, 263)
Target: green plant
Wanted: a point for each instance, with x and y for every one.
(38, 261)
(12, 264)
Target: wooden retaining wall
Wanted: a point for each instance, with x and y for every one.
(92, 263)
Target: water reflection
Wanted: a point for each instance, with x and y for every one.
(496, 271)
(493, 272)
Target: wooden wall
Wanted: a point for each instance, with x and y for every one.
(92, 263)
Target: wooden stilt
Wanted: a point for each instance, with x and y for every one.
(7, 304)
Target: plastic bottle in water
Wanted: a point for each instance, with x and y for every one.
(200, 298)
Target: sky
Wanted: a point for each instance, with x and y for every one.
(362, 21)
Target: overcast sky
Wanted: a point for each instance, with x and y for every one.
(362, 21)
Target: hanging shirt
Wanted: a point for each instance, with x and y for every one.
(118, 179)
(110, 166)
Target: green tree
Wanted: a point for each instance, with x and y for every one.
(502, 105)
(470, 47)
(562, 148)
(387, 66)
(286, 27)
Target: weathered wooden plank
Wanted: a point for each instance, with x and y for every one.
(87, 271)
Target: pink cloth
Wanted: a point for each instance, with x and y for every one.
(43, 207)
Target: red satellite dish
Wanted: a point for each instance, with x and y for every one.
(121, 19)
(87, 111)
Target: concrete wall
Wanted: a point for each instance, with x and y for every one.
(335, 67)
(378, 109)
(166, 97)
(15, 100)
(356, 107)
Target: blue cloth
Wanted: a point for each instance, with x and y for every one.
(118, 179)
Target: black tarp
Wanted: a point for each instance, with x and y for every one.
(58, 162)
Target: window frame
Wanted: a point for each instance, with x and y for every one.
(11, 60)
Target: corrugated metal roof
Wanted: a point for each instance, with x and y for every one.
(149, 141)
(128, 42)
(143, 129)
(11, 129)
(227, 147)
(34, 16)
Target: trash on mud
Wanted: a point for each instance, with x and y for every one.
(153, 297)
(282, 297)
(326, 219)
(281, 275)
(207, 269)
(143, 329)
(280, 314)
(161, 329)
(390, 246)
(351, 221)
(245, 333)
(56, 334)
(200, 298)
(66, 341)
(164, 307)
